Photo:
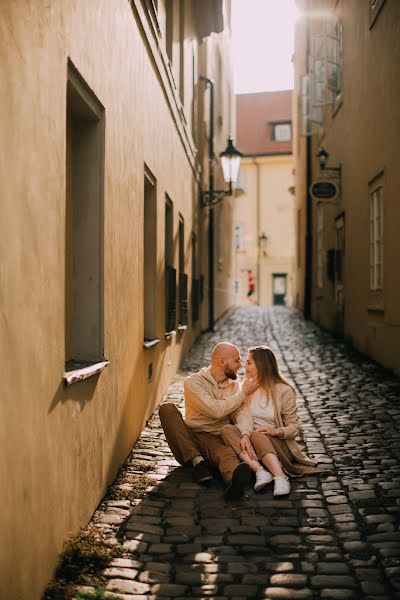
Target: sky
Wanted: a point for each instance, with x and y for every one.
(262, 39)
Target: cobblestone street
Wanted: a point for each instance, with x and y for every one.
(334, 537)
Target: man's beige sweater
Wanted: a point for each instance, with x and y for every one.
(210, 405)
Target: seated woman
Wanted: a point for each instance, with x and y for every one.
(273, 410)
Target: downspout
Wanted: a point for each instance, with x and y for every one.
(258, 212)
(309, 239)
(210, 83)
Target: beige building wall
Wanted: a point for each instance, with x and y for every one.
(215, 63)
(264, 230)
(62, 446)
(360, 132)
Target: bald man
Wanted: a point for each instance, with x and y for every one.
(212, 399)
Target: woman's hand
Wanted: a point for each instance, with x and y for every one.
(249, 386)
(268, 430)
(247, 447)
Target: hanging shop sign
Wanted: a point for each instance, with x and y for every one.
(322, 189)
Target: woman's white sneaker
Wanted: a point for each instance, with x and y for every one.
(263, 478)
(281, 486)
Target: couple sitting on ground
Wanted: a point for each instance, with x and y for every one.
(226, 423)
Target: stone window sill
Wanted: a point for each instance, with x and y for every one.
(82, 370)
(182, 328)
(375, 308)
(151, 343)
(170, 334)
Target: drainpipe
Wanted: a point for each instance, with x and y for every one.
(309, 240)
(210, 83)
(258, 211)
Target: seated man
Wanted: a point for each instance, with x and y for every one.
(212, 396)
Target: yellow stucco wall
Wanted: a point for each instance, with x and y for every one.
(264, 205)
(62, 446)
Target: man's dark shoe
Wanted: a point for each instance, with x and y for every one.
(240, 480)
(202, 472)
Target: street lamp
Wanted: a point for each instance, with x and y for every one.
(323, 156)
(230, 160)
(230, 163)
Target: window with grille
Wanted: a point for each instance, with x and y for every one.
(238, 237)
(334, 58)
(183, 278)
(339, 262)
(376, 238)
(170, 271)
(320, 245)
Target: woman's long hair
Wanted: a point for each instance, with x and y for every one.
(267, 369)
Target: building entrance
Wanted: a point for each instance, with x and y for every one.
(279, 288)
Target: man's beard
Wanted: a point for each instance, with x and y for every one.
(230, 374)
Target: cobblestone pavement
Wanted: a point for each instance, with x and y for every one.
(333, 537)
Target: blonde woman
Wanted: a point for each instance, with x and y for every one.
(273, 411)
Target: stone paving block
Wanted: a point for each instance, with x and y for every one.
(289, 579)
(332, 581)
(118, 573)
(238, 589)
(171, 590)
(335, 594)
(287, 593)
(127, 587)
(151, 577)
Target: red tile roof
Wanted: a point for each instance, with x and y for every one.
(255, 113)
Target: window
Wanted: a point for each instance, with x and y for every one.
(374, 9)
(182, 51)
(150, 255)
(305, 105)
(238, 237)
(320, 245)
(334, 60)
(282, 132)
(195, 282)
(376, 238)
(170, 272)
(183, 278)
(339, 262)
(84, 238)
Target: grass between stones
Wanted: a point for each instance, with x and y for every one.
(84, 558)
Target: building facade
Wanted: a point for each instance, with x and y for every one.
(347, 85)
(103, 124)
(263, 250)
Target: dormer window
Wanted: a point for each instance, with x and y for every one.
(281, 132)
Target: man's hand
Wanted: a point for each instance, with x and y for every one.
(247, 447)
(249, 386)
(271, 431)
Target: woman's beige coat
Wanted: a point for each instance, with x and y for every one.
(287, 419)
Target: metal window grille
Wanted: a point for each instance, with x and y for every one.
(170, 298)
(376, 239)
(195, 299)
(320, 245)
(183, 298)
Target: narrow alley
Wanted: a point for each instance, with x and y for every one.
(333, 537)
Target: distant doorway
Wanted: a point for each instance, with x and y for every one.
(279, 288)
